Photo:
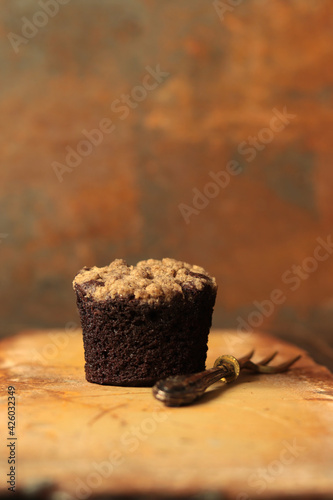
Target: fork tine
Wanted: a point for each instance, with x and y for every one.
(245, 358)
(284, 366)
(266, 360)
(249, 365)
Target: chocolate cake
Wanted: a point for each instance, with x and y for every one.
(145, 322)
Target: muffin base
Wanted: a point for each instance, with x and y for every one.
(129, 342)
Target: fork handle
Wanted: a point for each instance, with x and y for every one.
(184, 389)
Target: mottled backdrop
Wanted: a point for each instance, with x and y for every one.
(200, 130)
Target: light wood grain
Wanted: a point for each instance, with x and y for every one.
(262, 436)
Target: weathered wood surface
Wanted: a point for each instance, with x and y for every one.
(263, 436)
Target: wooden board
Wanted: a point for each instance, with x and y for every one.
(264, 436)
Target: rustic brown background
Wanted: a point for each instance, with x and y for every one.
(227, 72)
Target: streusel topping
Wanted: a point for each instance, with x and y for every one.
(149, 280)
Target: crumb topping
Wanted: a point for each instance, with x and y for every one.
(149, 280)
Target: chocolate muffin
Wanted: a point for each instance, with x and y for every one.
(146, 322)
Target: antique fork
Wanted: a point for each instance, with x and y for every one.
(184, 389)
